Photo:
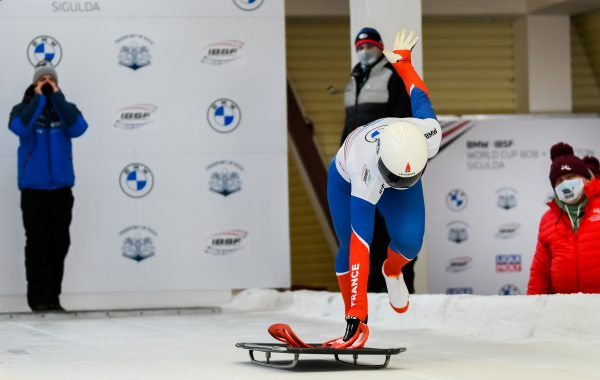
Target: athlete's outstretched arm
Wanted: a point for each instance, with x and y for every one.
(400, 58)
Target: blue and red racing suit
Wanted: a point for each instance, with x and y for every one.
(355, 188)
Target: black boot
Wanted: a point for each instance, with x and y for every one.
(39, 307)
(56, 307)
(352, 324)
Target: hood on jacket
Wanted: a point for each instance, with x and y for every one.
(29, 93)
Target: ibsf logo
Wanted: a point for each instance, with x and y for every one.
(459, 264)
(134, 51)
(507, 231)
(458, 231)
(224, 115)
(135, 116)
(463, 290)
(508, 263)
(509, 290)
(456, 200)
(248, 5)
(225, 177)
(222, 52)
(138, 243)
(226, 242)
(44, 48)
(136, 180)
(507, 198)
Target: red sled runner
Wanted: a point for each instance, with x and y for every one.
(292, 344)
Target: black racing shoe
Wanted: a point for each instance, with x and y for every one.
(352, 324)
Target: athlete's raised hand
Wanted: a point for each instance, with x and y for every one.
(403, 42)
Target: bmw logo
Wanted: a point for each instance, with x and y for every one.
(248, 5)
(224, 115)
(44, 48)
(456, 200)
(136, 180)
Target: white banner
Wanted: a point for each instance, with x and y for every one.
(181, 178)
(485, 194)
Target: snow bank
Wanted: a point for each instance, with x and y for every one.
(572, 316)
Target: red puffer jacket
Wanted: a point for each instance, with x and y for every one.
(564, 261)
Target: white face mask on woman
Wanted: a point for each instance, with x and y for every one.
(366, 57)
(570, 191)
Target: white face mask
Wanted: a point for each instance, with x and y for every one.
(570, 191)
(366, 57)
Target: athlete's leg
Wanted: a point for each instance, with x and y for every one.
(404, 213)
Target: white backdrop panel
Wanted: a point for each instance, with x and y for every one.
(225, 193)
(177, 82)
(141, 8)
(505, 158)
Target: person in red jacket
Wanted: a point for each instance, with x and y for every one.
(567, 257)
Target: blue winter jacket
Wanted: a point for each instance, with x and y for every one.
(45, 126)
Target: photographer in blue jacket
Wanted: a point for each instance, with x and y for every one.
(45, 123)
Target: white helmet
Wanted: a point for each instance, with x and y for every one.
(402, 154)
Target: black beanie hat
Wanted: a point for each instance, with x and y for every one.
(368, 36)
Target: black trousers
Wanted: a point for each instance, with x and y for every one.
(46, 217)
(378, 254)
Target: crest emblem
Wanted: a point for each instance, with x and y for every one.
(134, 51)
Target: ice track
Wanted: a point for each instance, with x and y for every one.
(448, 337)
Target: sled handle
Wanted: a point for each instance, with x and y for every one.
(285, 334)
